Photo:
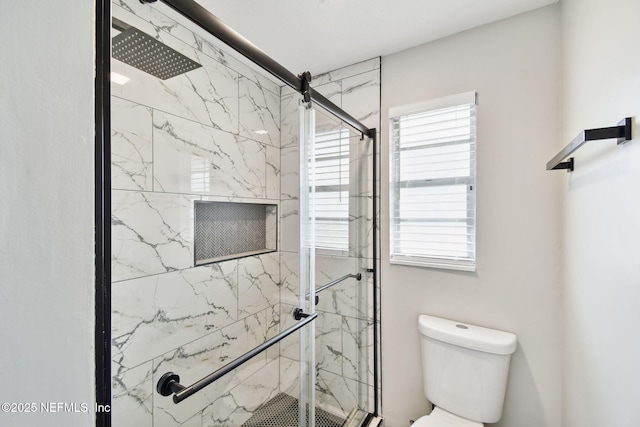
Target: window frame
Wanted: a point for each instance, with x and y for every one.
(395, 184)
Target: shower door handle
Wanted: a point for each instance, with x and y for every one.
(169, 383)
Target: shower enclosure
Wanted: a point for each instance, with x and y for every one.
(241, 214)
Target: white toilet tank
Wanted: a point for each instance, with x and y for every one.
(465, 367)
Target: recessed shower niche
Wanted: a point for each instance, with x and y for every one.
(228, 230)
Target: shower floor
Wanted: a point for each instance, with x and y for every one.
(282, 411)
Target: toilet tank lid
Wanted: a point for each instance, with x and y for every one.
(466, 335)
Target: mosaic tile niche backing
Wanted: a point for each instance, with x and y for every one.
(225, 230)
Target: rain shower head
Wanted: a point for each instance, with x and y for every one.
(138, 49)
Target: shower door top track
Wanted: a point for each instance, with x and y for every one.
(215, 26)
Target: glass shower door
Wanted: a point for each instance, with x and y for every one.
(335, 259)
(203, 128)
(306, 290)
(343, 264)
(209, 135)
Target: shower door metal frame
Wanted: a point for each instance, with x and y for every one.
(210, 23)
(102, 218)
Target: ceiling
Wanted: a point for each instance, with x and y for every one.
(322, 35)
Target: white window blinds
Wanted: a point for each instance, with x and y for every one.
(332, 190)
(432, 212)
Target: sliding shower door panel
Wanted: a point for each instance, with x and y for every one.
(211, 133)
(194, 123)
(343, 213)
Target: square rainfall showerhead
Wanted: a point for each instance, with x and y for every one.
(138, 49)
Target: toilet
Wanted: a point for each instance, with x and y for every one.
(464, 372)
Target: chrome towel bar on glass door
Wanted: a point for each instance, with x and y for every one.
(169, 383)
(298, 313)
(338, 280)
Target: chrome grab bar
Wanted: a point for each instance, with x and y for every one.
(335, 282)
(169, 383)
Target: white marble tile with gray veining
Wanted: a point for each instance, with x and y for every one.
(259, 113)
(255, 329)
(195, 421)
(287, 90)
(289, 120)
(208, 95)
(145, 17)
(132, 396)
(289, 345)
(289, 225)
(366, 291)
(361, 98)
(331, 90)
(258, 283)
(216, 88)
(357, 347)
(202, 357)
(328, 343)
(240, 200)
(273, 328)
(131, 145)
(336, 393)
(344, 297)
(226, 56)
(237, 404)
(360, 226)
(361, 197)
(364, 243)
(273, 170)
(271, 224)
(327, 123)
(152, 315)
(151, 233)
(261, 78)
(346, 72)
(290, 166)
(155, 20)
(289, 266)
(194, 158)
(289, 376)
(361, 165)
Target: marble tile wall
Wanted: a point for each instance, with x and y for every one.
(191, 137)
(344, 328)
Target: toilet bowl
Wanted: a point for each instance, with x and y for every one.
(465, 369)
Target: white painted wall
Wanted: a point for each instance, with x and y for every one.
(602, 211)
(46, 208)
(515, 67)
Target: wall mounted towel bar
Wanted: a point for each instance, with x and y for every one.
(622, 133)
(169, 383)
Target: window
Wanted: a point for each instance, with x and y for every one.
(332, 190)
(432, 189)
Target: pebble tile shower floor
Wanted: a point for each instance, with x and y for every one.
(282, 411)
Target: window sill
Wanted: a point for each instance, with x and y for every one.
(433, 263)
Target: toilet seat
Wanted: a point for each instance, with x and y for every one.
(441, 418)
